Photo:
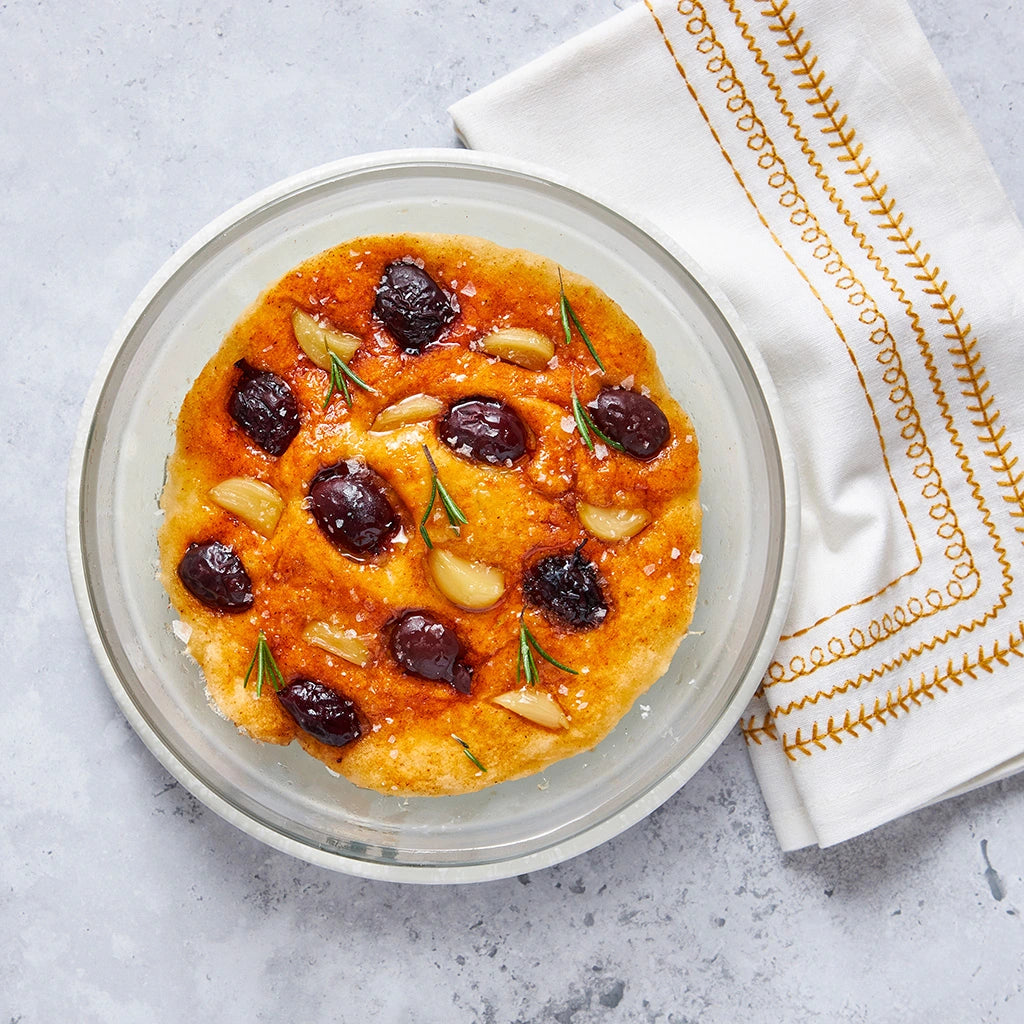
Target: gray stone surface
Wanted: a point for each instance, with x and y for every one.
(124, 129)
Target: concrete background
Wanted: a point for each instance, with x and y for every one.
(124, 129)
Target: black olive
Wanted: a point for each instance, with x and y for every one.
(631, 420)
(567, 587)
(412, 306)
(215, 575)
(426, 647)
(329, 716)
(350, 504)
(484, 429)
(263, 405)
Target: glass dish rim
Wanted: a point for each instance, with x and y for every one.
(550, 853)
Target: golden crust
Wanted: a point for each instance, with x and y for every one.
(515, 515)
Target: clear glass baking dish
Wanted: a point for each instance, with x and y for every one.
(280, 795)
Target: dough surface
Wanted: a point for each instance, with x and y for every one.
(515, 516)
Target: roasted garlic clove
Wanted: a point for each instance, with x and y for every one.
(521, 346)
(256, 503)
(342, 642)
(318, 341)
(414, 409)
(612, 523)
(535, 705)
(470, 585)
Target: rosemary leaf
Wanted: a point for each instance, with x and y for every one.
(455, 514)
(426, 515)
(532, 640)
(340, 375)
(469, 753)
(252, 663)
(563, 309)
(567, 314)
(586, 425)
(456, 517)
(526, 664)
(582, 419)
(264, 665)
(586, 337)
(599, 432)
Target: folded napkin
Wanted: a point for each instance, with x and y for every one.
(812, 158)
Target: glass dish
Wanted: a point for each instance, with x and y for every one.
(280, 795)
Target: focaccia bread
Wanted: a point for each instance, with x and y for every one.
(432, 513)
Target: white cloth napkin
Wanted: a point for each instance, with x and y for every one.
(812, 157)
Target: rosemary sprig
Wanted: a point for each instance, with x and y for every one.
(469, 753)
(568, 313)
(456, 517)
(586, 425)
(341, 374)
(526, 664)
(264, 665)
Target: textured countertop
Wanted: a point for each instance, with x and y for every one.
(124, 130)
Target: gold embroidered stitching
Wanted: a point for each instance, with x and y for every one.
(992, 436)
(806, 68)
(964, 581)
(753, 729)
(902, 700)
(997, 451)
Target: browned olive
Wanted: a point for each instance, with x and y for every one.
(632, 420)
(426, 647)
(412, 306)
(484, 429)
(215, 575)
(566, 586)
(325, 714)
(263, 405)
(350, 504)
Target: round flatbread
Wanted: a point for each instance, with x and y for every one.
(625, 528)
